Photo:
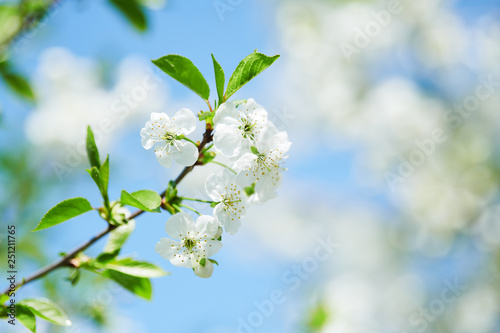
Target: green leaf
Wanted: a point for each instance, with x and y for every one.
(137, 285)
(104, 172)
(116, 240)
(318, 318)
(203, 261)
(136, 268)
(98, 179)
(47, 310)
(184, 71)
(219, 80)
(205, 115)
(26, 317)
(250, 189)
(4, 298)
(146, 200)
(64, 211)
(254, 150)
(92, 151)
(16, 82)
(213, 261)
(133, 11)
(246, 70)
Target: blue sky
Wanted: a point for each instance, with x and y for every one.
(182, 302)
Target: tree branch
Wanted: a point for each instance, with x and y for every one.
(64, 261)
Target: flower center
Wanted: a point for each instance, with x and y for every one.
(169, 137)
(189, 243)
(247, 127)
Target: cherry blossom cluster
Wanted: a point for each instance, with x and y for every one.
(256, 149)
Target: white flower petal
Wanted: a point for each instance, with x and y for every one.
(186, 154)
(226, 114)
(179, 225)
(228, 139)
(183, 121)
(213, 186)
(155, 116)
(206, 226)
(204, 271)
(164, 156)
(167, 248)
(244, 165)
(181, 260)
(211, 247)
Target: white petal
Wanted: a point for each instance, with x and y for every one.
(179, 225)
(164, 156)
(155, 116)
(213, 186)
(226, 114)
(211, 247)
(228, 139)
(181, 260)
(244, 166)
(186, 155)
(266, 187)
(167, 248)
(183, 121)
(206, 226)
(204, 271)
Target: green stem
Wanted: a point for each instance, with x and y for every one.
(187, 207)
(223, 165)
(199, 200)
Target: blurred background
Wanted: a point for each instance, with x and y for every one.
(389, 216)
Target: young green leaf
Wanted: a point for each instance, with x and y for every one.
(92, 151)
(18, 84)
(26, 317)
(246, 70)
(133, 11)
(213, 261)
(137, 285)
(146, 200)
(47, 310)
(116, 240)
(136, 268)
(184, 71)
(104, 172)
(219, 80)
(64, 211)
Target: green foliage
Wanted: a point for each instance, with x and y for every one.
(250, 189)
(116, 239)
(219, 80)
(135, 268)
(137, 285)
(47, 310)
(16, 82)
(26, 317)
(317, 318)
(92, 151)
(133, 11)
(184, 71)
(98, 172)
(213, 261)
(10, 22)
(246, 70)
(146, 200)
(64, 211)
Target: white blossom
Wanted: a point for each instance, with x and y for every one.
(231, 199)
(165, 134)
(263, 166)
(237, 126)
(195, 240)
